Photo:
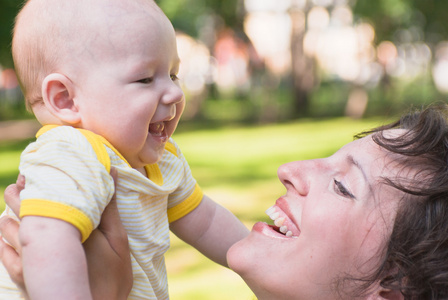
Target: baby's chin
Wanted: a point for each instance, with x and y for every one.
(151, 158)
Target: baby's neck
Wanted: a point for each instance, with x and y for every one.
(142, 170)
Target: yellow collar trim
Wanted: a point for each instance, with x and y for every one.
(46, 128)
(152, 171)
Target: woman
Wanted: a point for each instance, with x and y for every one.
(369, 222)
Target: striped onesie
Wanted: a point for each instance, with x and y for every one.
(67, 177)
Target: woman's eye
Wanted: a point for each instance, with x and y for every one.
(174, 77)
(343, 190)
(145, 80)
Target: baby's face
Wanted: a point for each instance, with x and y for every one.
(128, 90)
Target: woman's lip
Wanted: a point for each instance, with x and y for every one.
(283, 219)
(267, 230)
(283, 205)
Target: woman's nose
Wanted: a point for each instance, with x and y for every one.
(296, 176)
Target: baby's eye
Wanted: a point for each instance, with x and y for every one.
(341, 189)
(174, 77)
(146, 80)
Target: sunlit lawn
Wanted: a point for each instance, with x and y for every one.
(237, 167)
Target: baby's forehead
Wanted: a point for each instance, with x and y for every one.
(71, 16)
(80, 27)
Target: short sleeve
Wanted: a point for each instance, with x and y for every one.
(65, 180)
(188, 194)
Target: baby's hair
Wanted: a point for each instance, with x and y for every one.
(34, 48)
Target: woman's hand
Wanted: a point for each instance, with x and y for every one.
(9, 230)
(108, 255)
(107, 249)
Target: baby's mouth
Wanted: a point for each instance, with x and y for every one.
(157, 129)
(282, 224)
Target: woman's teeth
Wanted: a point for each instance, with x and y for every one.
(278, 221)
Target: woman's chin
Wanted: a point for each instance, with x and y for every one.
(243, 256)
(233, 256)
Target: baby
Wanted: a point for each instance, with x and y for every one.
(101, 77)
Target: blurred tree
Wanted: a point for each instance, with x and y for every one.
(303, 70)
(188, 15)
(8, 10)
(425, 18)
(407, 22)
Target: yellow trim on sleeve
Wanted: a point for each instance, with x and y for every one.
(186, 206)
(50, 209)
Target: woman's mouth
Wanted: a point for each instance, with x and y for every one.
(282, 224)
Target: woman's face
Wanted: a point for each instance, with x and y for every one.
(337, 215)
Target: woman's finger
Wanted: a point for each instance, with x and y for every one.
(108, 255)
(20, 182)
(12, 194)
(13, 265)
(111, 225)
(9, 231)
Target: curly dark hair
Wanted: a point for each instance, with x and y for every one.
(415, 260)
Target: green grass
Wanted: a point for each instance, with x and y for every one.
(237, 167)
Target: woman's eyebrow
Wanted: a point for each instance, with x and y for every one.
(352, 161)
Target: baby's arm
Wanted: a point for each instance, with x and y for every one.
(211, 229)
(54, 263)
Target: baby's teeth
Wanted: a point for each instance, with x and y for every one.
(279, 222)
(288, 233)
(284, 229)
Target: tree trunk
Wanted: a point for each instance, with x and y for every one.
(302, 66)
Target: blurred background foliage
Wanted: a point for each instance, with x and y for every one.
(270, 81)
(262, 61)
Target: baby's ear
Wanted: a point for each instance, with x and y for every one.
(58, 96)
